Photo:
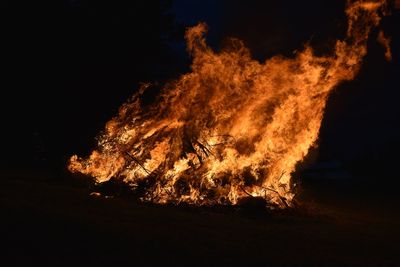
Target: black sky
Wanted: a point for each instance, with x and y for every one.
(69, 65)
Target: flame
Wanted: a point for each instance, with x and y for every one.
(385, 42)
(233, 126)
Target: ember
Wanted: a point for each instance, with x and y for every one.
(233, 127)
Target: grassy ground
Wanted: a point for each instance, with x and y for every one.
(55, 222)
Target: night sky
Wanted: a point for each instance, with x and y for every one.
(69, 65)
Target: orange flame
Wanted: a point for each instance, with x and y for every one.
(233, 126)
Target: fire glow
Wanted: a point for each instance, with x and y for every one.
(233, 127)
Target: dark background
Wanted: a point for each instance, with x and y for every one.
(69, 65)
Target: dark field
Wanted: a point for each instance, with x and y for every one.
(51, 220)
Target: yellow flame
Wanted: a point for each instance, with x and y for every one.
(233, 126)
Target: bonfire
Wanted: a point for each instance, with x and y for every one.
(232, 127)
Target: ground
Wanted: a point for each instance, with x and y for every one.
(53, 221)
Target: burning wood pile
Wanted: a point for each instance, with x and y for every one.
(232, 127)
